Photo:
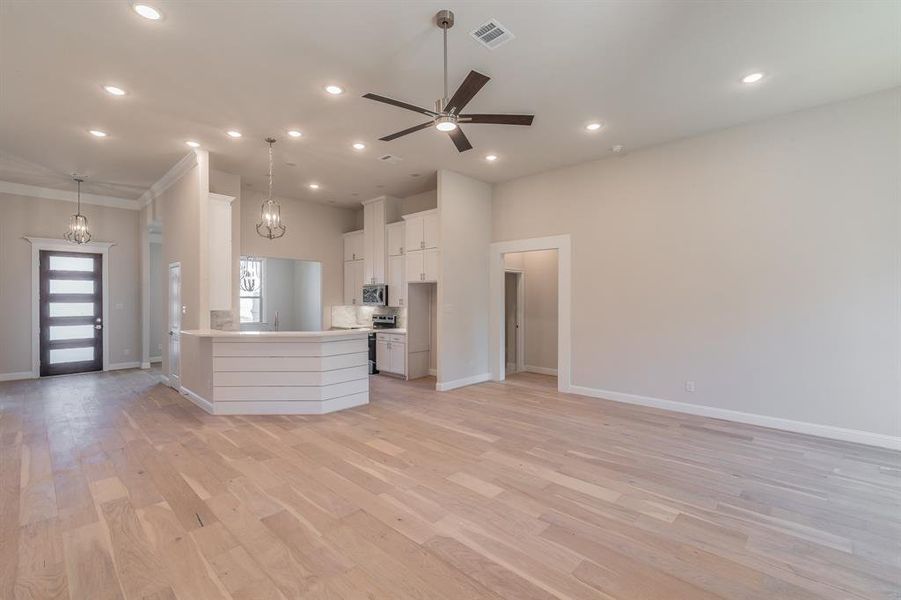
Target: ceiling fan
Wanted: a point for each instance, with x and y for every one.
(447, 116)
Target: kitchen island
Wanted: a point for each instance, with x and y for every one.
(274, 372)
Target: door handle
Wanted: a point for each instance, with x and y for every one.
(171, 332)
(98, 326)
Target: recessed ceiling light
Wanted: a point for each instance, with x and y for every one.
(334, 90)
(359, 146)
(491, 157)
(192, 144)
(113, 90)
(314, 186)
(294, 133)
(98, 133)
(148, 12)
(593, 126)
(233, 133)
(752, 77)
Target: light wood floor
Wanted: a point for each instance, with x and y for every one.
(113, 486)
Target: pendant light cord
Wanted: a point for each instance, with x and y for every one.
(444, 28)
(270, 172)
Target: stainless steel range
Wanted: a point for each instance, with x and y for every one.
(379, 322)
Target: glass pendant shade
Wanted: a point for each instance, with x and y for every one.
(270, 225)
(78, 232)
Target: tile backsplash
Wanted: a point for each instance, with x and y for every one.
(347, 316)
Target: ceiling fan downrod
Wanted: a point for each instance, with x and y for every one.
(445, 20)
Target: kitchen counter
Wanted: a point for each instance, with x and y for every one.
(274, 372)
(399, 330)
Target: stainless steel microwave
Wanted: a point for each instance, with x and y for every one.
(375, 294)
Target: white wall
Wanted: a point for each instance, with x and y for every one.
(539, 325)
(22, 215)
(761, 262)
(157, 296)
(464, 206)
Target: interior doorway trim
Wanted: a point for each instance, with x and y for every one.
(563, 245)
(38, 244)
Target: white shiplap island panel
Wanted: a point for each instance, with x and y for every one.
(275, 373)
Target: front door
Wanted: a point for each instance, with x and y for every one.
(174, 323)
(71, 312)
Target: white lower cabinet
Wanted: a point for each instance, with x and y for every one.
(391, 353)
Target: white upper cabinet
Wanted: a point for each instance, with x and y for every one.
(397, 282)
(395, 232)
(353, 282)
(221, 273)
(421, 230)
(377, 213)
(353, 245)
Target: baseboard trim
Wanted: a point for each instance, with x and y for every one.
(164, 379)
(446, 386)
(200, 401)
(540, 370)
(433, 372)
(815, 429)
(127, 365)
(275, 407)
(16, 376)
(145, 365)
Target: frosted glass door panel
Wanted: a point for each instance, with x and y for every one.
(71, 263)
(71, 286)
(64, 355)
(71, 309)
(71, 332)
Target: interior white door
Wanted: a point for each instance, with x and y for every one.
(174, 324)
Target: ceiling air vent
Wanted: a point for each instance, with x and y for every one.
(390, 159)
(492, 34)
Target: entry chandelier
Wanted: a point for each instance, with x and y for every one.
(78, 232)
(270, 225)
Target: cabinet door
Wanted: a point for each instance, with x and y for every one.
(353, 246)
(398, 361)
(349, 282)
(413, 266)
(397, 281)
(395, 238)
(413, 234)
(430, 264)
(382, 356)
(358, 282)
(430, 232)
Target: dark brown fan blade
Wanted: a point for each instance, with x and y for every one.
(394, 136)
(460, 140)
(499, 119)
(400, 104)
(469, 88)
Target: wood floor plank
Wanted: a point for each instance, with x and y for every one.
(114, 486)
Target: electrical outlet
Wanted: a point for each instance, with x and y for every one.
(689, 386)
(184, 309)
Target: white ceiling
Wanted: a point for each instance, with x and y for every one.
(652, 71)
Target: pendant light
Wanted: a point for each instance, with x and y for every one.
(270, 225)
(78, 232)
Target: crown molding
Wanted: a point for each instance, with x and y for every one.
(188, 162)
(34, 191)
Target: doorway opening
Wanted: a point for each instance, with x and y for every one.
(531, 312)
(562, 283)
(71, 312)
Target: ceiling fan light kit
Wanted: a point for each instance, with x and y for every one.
(447, 115)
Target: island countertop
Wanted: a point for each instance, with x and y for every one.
(274, 372)
(331, 334)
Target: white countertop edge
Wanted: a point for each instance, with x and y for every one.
(216, 333)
